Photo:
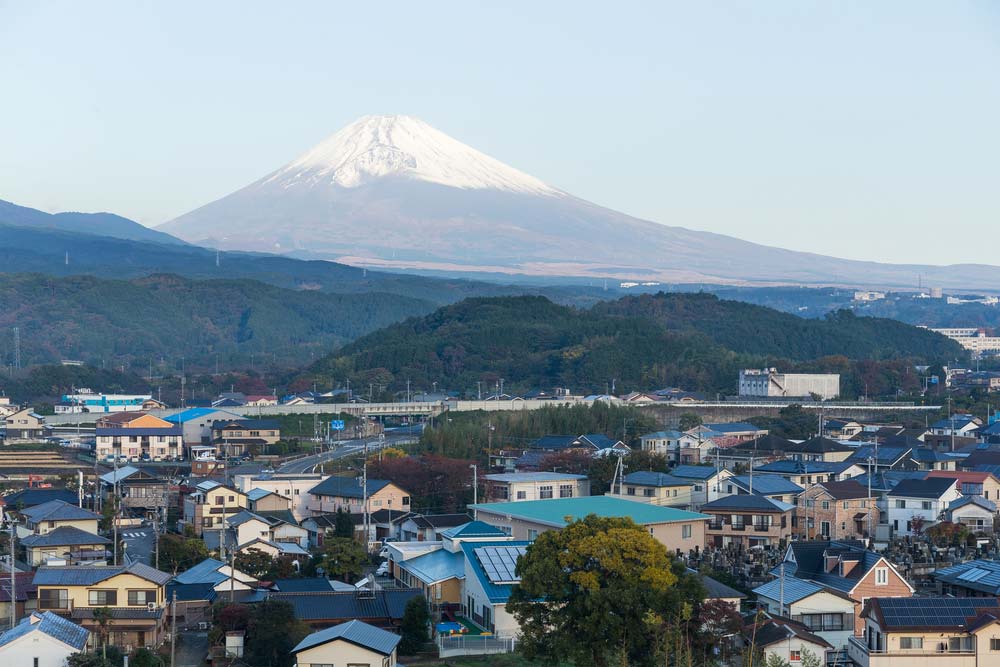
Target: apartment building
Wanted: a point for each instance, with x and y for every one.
(837, 511)
(293, 486)
(137, 436)
(747, 520)
(211, 504)
(512, 487)
(335, 493)
(655, 488)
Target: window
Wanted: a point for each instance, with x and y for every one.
(565, 490)
(686, 531)
(102, 598)
(994, 644)
(881, 576)
(697, 487)
(864, 504)
(406, 500)
(794, 656)
(521, 495)
(53, 598)
(648, 492)
(219, 500)
(826, 504)
(901, 504)
(141, 598)
(545, 492)
(532, 533)
(925, 505)
(630, 491)
(911, 642)
(846, 504)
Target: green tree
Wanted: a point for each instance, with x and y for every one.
(343, 525)
(254, 562)
(103, 617)
(87, 660)
(688, 421)
(143, 657)
(272, 633)
(810, 659)
(178, 553)
(586, 592)
(416, 619)
(344, 558)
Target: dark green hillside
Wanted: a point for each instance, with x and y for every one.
(116, 321)
(745, 327)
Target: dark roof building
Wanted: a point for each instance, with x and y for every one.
(355, 632)
(347, 487)
(381, 608)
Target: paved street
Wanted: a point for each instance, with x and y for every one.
(347, 448)
(192, 648)
(139, 544)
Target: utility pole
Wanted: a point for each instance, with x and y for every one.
(13, 579)
(781, 589)
(114, 506)
(475, 484)
(364, 489)
(173, 631)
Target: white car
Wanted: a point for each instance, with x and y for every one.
(383, 569)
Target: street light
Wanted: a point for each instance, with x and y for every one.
(475, 483)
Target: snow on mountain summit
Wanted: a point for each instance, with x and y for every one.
(374, 147)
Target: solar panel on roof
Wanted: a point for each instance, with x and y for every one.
(499, 563)
(975, 574)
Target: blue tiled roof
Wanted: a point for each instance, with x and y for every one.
(884, 455)
(804, 467)
(750, 502)
(497, 593)
(51, 624)
(205, 572)
(63, 536)
(34, 497)
(659, 479)
(356, 632)
(117, 430)
(473, 529)
(347, 487)
(730, 427)
(304, 585)
(978, 575)
(189, 592)
(58, 510)
(66, 575)
(795, 589)
(693, 472)
(767, 485)
(336, 605)
(257, 494)
(436, 566)
(973, 500)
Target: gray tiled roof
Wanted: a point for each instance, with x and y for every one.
(64, 536)
(58, 510)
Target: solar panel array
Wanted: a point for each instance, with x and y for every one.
(499, 563)
(974, 574)
(932, 612)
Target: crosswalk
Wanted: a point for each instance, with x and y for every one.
(133, 536)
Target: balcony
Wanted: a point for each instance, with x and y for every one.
(933, 651)
(762, 527)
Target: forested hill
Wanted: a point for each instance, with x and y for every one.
(744, 327)
(118, 321)
(532, 342)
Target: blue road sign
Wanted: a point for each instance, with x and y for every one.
(337, 424)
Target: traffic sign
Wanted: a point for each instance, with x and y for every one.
(337, 424)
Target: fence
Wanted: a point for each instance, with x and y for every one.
(474, 645)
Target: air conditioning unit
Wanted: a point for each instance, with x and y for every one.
(151, 606)
(203, 625)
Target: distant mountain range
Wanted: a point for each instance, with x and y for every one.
(99, 224)
(393, 192)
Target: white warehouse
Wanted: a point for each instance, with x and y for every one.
(769, 383)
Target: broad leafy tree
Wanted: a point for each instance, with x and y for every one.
(416, 619)
(344, 558)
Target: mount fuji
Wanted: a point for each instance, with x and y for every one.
(394, 192)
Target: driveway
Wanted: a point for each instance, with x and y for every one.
(192, 648)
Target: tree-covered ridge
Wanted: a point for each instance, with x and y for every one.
(117, 321)
(745, 327)
(531, 342)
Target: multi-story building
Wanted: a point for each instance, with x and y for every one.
(62, 532)
(87, 401)
(24, 424)
(655, 488)
(769, 383)
(137, 436)
(916, 632)
(137, 489)
(972, 339)
(134, 595)
(196, 424)
(836, 510)
(336, 493)
(806, 473)
(512, 487)
(747, 520)
(211, 504)
(679, 447)
(919, 500)
(293, 486)
(234, 437)
(707, 483)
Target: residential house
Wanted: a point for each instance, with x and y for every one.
(55, 514)
(263, 500)
(974, 512)
(535, 486)
(200, 586)
(137, 436)
(716, 590)
(707, 482)
(137, 489)
(679, 447)
(783, 641)
(42, 640)
(235, 437)
(293, 486)
(429, 527)
(490, 576)
(24, 424)
(883, 457)
(655, 488)
(841, 429)
(971, 483)
(210, 505)
(6, 407)
(921, 500)
(594, 443)
(747, 520)
(134, 594)
(805, 473)
(260, 401)
(276, 550)
(727, 434)
(963, 424)
(904, 632)
(352, 643)
(826, 612)
(971, 579)
(678, 530)
(247, 526)
(844, 567)
(334, 493)
(769, 486)
(66, 545)
(772, 447)
(25, 592)
(926, 458)
(33, 496)
(836, 510)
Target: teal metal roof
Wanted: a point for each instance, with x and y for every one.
(436, 566)
(496, 592)
(555, 511)
(473, 529)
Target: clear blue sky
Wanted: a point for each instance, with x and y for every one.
(858, 129)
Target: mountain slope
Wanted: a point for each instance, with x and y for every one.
(391, 191)
(104, 224)
(117, 321)
(531, 342)
(745, 327)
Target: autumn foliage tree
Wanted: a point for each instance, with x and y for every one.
(436, 483)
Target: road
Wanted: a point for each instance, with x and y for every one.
(347, 448)
(139, 543)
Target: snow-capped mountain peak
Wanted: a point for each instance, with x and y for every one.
(375, 147)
